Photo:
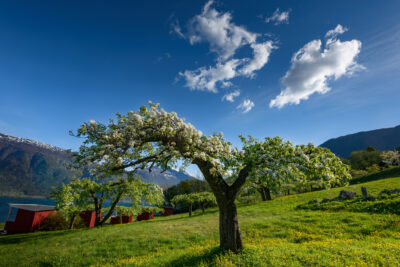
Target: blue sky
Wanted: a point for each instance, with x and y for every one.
(65, 62)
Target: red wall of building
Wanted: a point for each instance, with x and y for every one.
(27, 221)
(89, 217)
(145, 216)
(168, 211)
(125, 219)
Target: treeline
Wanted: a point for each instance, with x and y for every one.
(371, 160)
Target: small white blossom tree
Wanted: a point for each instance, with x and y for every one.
(320, 167)
(276, 165)
(88, 193)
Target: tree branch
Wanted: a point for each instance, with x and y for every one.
(235, 187)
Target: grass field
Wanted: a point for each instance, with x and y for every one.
(274, 234)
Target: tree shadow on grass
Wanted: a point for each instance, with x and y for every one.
(21, 238)
(207, 257)
(184, 217)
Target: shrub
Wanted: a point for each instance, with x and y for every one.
(79, 223)
(55, 221)
(386, 204)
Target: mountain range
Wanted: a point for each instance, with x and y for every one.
(381, 139)
(28, 167)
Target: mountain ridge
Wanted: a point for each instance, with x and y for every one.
(32, 168)
(381, 139)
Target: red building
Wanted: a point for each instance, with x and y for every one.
(145, 216)
(168, 211)
(89, 217)
(117, 219)
(25, 218)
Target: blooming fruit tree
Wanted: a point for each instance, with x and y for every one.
(321, 168)
(89, 193)
(152, 137)
(281, 165)
(277, 164)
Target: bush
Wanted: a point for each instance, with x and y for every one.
(79, 223)
(386, 204)
(55, 221)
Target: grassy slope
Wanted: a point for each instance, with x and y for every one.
(274, 233)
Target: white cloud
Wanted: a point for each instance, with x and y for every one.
(231, 96)
(335, 32)
(224, 38)
(207, 78)
(176, 28)
(261, 54)
(279, 17)
(246, 106)
(312, 67)
(217, 29)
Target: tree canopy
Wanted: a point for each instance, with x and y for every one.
(203, 199)
(88, 193)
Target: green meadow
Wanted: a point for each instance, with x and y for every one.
(275, 233)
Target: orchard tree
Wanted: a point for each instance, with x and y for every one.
(70, 202)
(277, 165)
(205, 199)
(185, 200)
(321, 168)
(391, 156)
(89, 193)
(152, 137)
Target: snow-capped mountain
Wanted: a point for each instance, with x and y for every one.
(29, 167)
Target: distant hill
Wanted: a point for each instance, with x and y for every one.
(381, 139)
(28, 167)
(164, 179)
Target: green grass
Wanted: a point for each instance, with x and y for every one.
(391, 172)
(275, 233)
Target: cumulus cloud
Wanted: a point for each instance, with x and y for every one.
(279, 17)
(217, 29)
(231, 96)
(335, 32)
(261, 54)
(207, 78)
(312, 67)
(224, 38)
(246, 106)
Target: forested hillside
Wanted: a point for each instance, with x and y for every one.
(381, 139)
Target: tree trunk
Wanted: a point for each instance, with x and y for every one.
(190, 209)
(111, 209)
(203, 207)
(263, 197)
(230, 236)
(267, 192)
(229, 232)
(98, 214)
(72, 221)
